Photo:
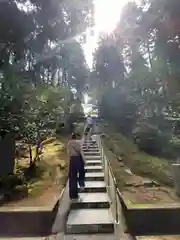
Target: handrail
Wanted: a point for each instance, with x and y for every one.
(116, 189)
(104, 158)
(110, 168)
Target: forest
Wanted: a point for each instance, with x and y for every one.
(134, 80)
(135, 77)
(43, 76)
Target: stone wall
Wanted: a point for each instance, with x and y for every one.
(27, 222)
(152, 220)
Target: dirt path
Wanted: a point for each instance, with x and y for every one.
(45, 199)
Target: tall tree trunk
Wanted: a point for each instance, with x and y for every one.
(59, 77)
(149, 55)
(30, 155)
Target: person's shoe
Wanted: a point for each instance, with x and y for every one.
(74, 199)
(79, 199)
(81, 189)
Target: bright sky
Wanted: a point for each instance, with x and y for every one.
(107, 14)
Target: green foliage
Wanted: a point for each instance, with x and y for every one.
(119, 110)
(33, 173)
(137, 161)
(40, 64)
(151, 139)
(108, 64)
(136, 74)
(42, 71)
(10, 182)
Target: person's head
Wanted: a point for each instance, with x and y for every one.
(73, 136)
(78, 136)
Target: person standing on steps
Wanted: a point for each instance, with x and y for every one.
(76, 167)
(89, 124)
(81, 175)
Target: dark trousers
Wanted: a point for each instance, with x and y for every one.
(88, 128)
(76, 175)
(87, 132)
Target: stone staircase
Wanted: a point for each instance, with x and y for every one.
(92, 214)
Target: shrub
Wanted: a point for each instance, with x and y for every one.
(151, 139)
(120, 111)
(10, 182)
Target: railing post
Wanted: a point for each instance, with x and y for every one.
(108, 177)
(105, 165)
(104, 160)
(116, 204)
(99, 145)
(102, 153)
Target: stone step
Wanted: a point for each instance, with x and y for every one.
(89, 141)
(94, 163)
(95, 186)
(89, 221)
(92, 200)
(94, 176)
(91, 150)
(92, 153)
(92, 157)
(93, 168)
(90, 145)
(102, 236)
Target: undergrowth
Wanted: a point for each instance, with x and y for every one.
(140, 163)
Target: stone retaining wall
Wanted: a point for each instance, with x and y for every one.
(149, 219)
(27, 222)
(152, 221)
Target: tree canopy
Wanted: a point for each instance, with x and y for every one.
(136, 69)
(42, 65)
